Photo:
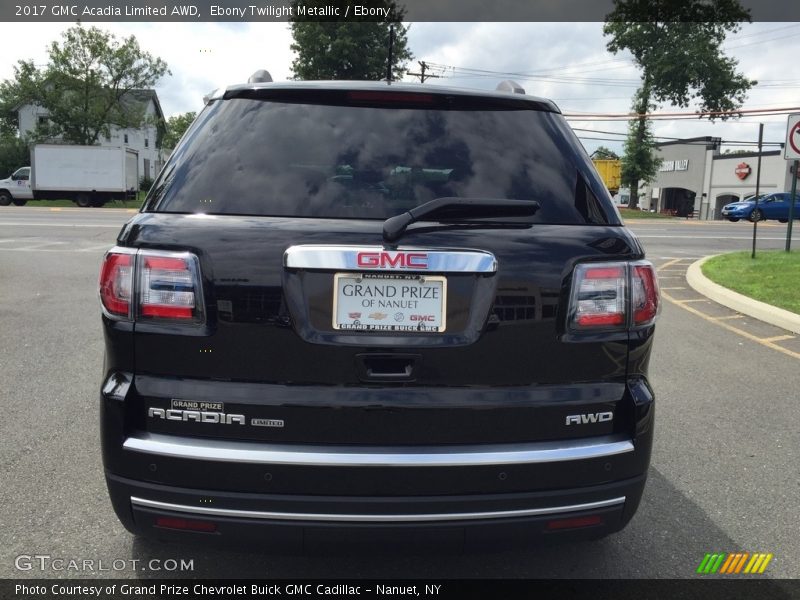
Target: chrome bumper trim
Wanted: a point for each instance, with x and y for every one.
(354, 456)
(376, 518)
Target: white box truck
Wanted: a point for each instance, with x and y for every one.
(87, 175)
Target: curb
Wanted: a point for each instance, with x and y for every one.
(753, 308)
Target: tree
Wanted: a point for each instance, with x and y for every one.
(677, 46)
(603, 153)
(85, 87)
(639, 162)
(176, 127)
(13, 154)
(357, 49)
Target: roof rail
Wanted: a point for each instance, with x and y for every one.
(260, 76)
(510, 86)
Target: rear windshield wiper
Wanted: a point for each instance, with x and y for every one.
(447, 209)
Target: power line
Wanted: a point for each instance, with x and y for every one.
(664, 137)
(695, 143)
(694, 115)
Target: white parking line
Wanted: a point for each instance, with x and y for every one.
(37, 249)
(95, 248)
(41, 245)
(44, 224)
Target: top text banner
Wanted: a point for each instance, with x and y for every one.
(350, 10)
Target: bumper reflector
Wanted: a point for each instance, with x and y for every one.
(575, 522)
(186, 524)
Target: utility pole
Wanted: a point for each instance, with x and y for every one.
(792, 200)
(758, 185)
(423, 66)
(391, 50)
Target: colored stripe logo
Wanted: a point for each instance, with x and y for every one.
(734, 563)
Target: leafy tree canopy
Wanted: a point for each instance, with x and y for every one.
(176, 127)
(603, 153)
(13, 154)
(677, 45)
(85, 86)
(355, 50)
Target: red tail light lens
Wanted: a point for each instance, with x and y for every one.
(150, 285)
(116, 283)
(644, 293)
(600, 295)
(168, 286)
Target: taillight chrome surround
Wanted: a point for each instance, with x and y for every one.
(160, 286)
(613, 296)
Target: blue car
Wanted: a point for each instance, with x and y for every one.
(770, 206)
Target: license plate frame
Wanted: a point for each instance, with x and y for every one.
(382, 314)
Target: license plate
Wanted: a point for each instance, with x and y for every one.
(379, 302)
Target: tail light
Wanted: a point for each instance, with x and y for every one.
(148, 285)
(613, 295)
(116, 283)
(644, 293)
(167, 286)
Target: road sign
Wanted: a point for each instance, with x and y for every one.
(792, 151)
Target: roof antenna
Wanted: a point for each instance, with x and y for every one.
(260, 76)
(510, 86)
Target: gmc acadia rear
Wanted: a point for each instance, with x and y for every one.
(367, 311)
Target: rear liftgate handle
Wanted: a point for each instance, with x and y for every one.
(387, 367)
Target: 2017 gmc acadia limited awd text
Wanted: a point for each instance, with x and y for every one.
(356, 311)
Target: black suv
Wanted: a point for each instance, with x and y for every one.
(368, 311)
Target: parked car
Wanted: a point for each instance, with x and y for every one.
(770, 206)
(356, 310)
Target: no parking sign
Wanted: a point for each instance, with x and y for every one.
(792, 148)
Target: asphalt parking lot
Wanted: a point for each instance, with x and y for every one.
(724, 475)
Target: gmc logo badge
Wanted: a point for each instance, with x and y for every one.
(392, 260)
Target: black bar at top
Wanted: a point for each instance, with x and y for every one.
(342, 10)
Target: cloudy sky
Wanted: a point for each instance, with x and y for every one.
(566, 62)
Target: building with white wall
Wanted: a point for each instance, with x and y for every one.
(144, 139)
(696, 178)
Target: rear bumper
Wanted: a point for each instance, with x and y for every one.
(293, 497)
(298, 524)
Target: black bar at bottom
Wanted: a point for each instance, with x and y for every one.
(707, 588)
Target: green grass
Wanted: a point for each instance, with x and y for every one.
(772, 277)
(633, 213)
(113, 204)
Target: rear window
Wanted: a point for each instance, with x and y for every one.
(249, 156)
